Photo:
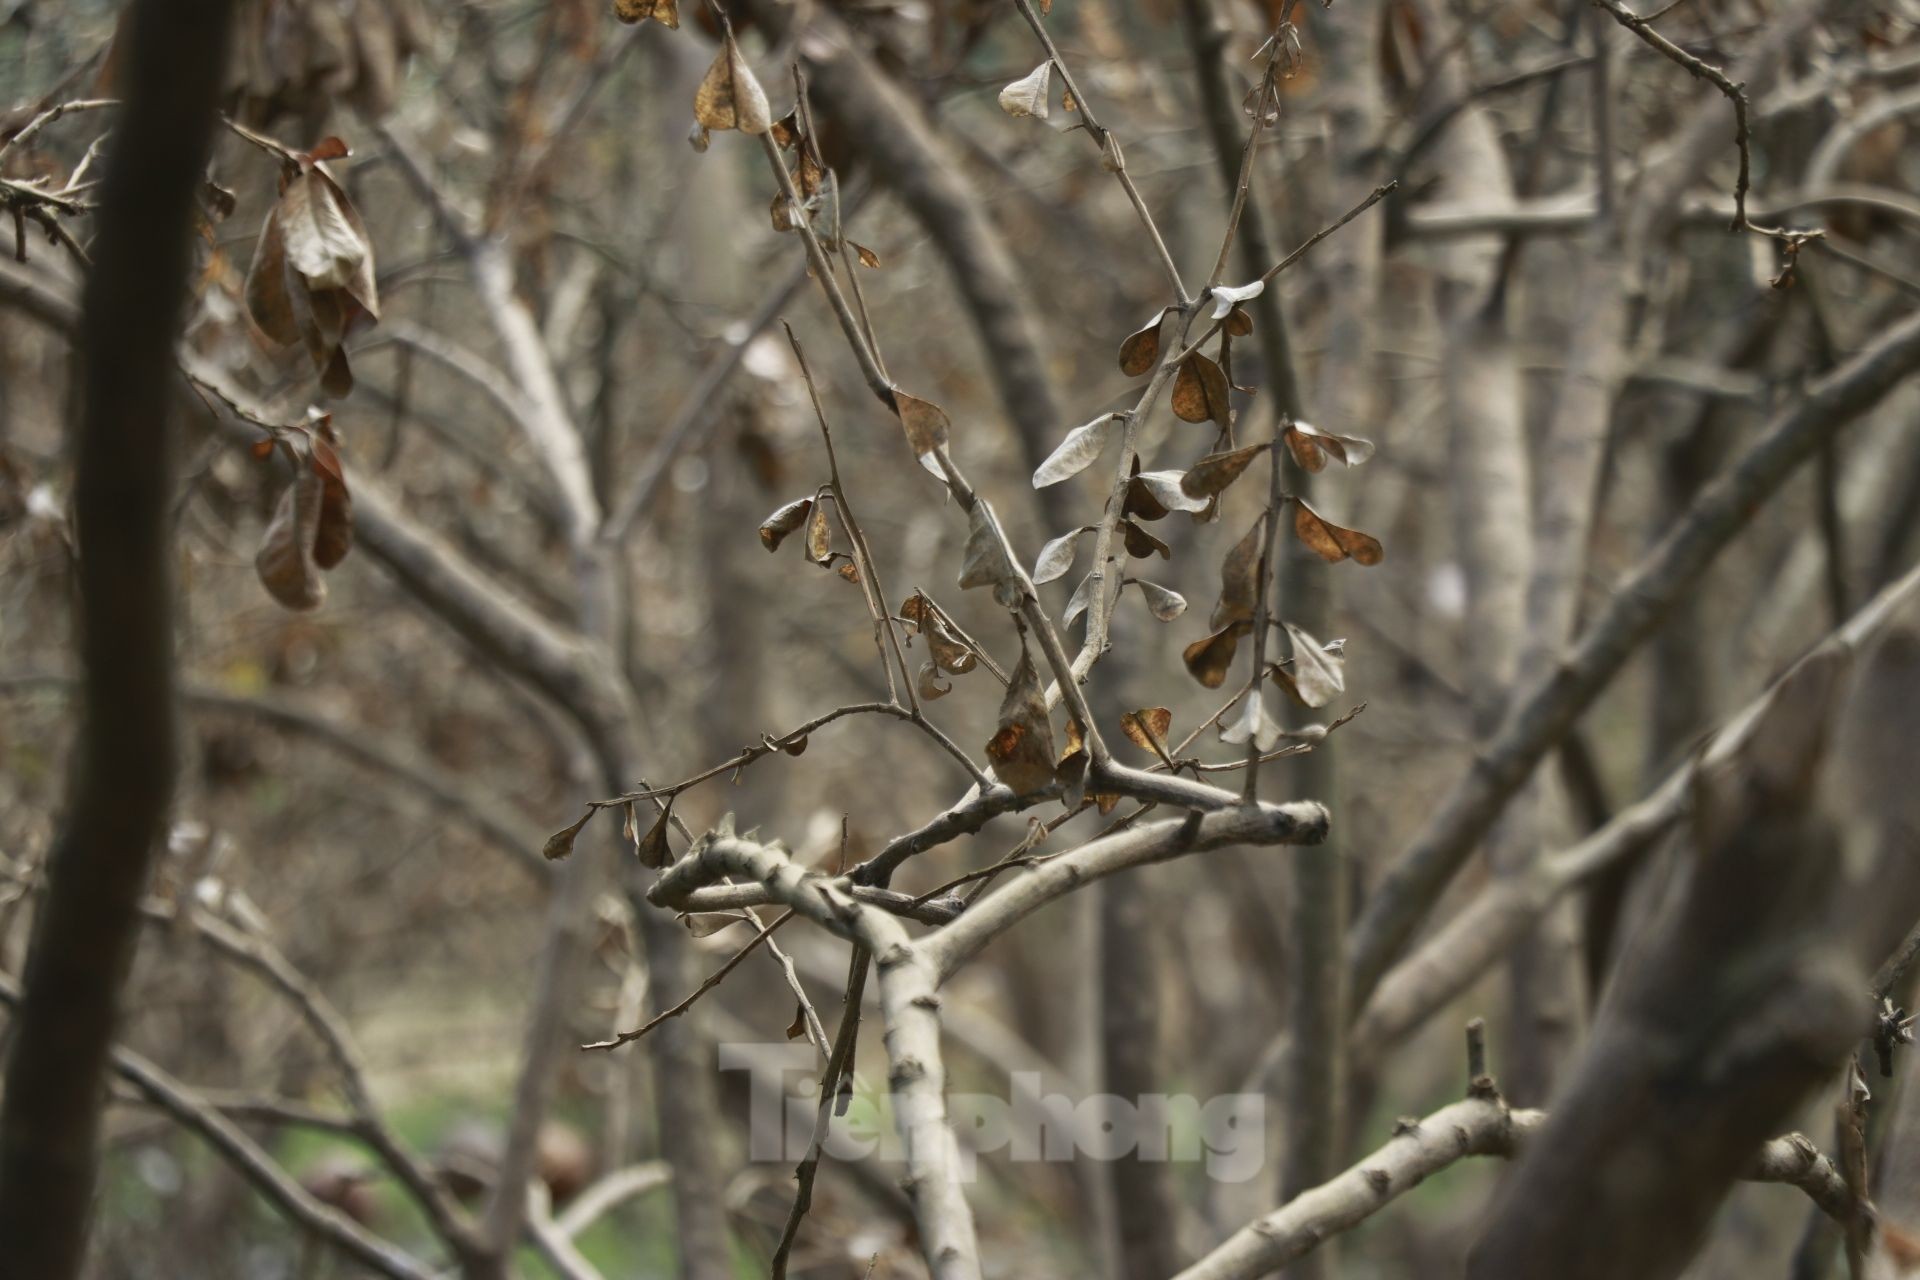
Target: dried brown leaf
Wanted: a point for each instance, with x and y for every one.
(652, 849)
(950, 654)
(1311, 447)
(1021, 749)
(267, 300)
(333, 537)
(1213, 473)
(775, 528)
(1140, 350)
(820, 536)
(1330, 541)
(325, 242)
(664, 12)
(560, 843)
(1200, 392)
(1141, 545)
(1240, 578)
(1209, 659)
(285, 563)
(1147, 728)
(925, 422)
(730, 96)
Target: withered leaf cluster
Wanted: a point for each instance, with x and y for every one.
(948, 652)
(312, 526)
(811, 514)
(312, 277)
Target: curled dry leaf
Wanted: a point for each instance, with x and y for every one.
(1252, 723)
(1331, 542)
(1209, 659)
(560, 843)
(1147, 728)
(1028, 95)
(664, 12)
(1162, 603)
(730, 96)
(1141, 545)
(1240, 578)
(1057, 556)
(868, 258)
(285, 561)
(986, 560)
(775, 528)
(925, 422)
(929, 683)
(1311, 447)
(1213, 473)
(652, 849)
(1200, 392)
(1021, 750)
(1238, 323)
(820, 536)
(1140, 350)
(334, 536)
(850, 571)
(311, 281)
(949, 653)
(1152, 494)
(1228, 296)
(1318, 671)
(1078, 451)
(1072, 773)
